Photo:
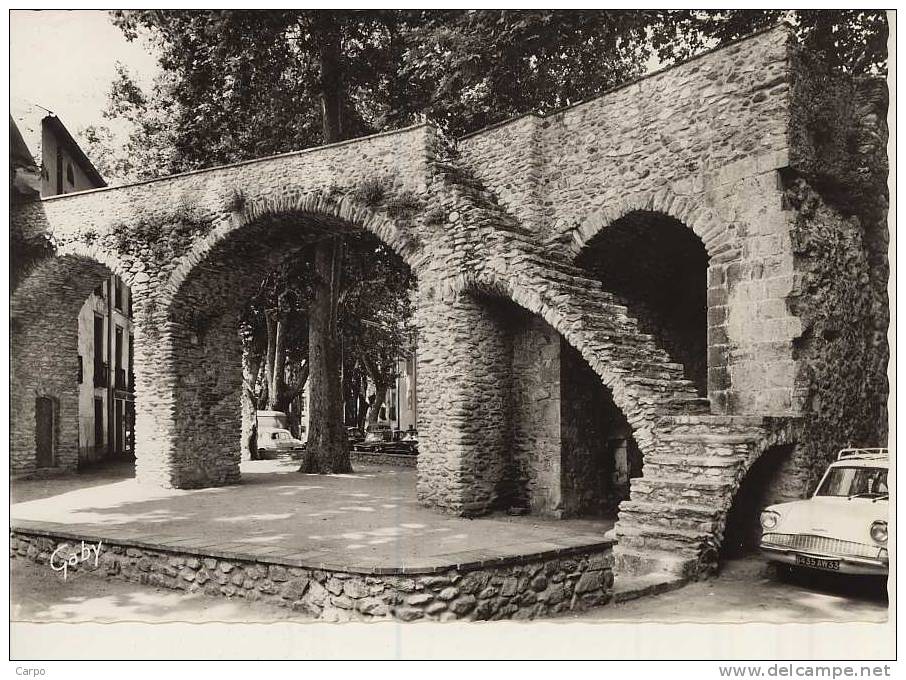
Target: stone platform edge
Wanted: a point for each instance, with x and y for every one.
(467, 560)
(510, 587)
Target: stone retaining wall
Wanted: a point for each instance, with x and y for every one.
(503, 588)
(398, 459)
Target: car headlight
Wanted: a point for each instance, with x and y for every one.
(878, 531)
(769, 519)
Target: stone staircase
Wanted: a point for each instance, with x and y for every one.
(670, 529)
(646, 383)
(673, 522)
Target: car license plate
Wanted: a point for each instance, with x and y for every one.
(817, 563)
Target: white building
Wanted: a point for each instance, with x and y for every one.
(106, 380)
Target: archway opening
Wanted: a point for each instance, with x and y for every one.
(377, 347)
(73, 385)
(658, 267)
(214, 332)
(569, 450)
(773, 478)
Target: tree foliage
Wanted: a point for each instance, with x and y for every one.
(850, 40)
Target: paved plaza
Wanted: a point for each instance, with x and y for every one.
(368, 519)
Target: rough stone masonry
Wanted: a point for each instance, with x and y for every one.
(768, 174)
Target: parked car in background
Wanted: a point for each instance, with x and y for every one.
(842, 527)
(274, 437)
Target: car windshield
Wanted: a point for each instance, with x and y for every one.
(855, 481)
(281, 435)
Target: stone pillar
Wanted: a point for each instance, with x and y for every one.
(464, 367)
(44, 363)
(188, 418)
(537, 423)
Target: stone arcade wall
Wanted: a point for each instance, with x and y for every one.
(540, 585)
(732, 144)
(700, 142)
(464, 411)
(170, 241)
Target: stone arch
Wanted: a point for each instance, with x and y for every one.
(534, 303)
(192, 425)
(687, 249)
(496, 356)
(318, 204)
(44, 310)
(716, 234)
(771, 473)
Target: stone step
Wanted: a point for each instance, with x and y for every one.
(678, 492)
(682, 460)
(628, 587)
(672, 540)
(711, 438)
(719, 420)
(658, 482)
(693, 523)
(699, 512)
(682, 405)
(693, 473)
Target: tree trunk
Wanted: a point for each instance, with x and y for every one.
(278, 384)
(380, 396)
(251, 365)
(288, 395)
(328, 447)
(271, 322)
(327, 33)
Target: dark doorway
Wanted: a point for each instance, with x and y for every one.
(44, 431)
(130, 429)
(599, 453)
(768, 481)
(98, 425)
(658, 268)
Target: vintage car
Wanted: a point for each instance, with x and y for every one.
(843, 527)
(273, 442)
(274, 437)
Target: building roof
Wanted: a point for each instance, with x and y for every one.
(56, 126)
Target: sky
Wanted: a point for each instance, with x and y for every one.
(65, 61)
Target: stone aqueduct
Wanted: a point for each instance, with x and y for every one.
(492, 225)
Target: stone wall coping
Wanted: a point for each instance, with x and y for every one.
(780, 25)
(463, 561)
(226, 166)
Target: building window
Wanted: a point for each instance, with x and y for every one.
(118, 297)
(70, 176)
(99, 291)
(80, 369)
